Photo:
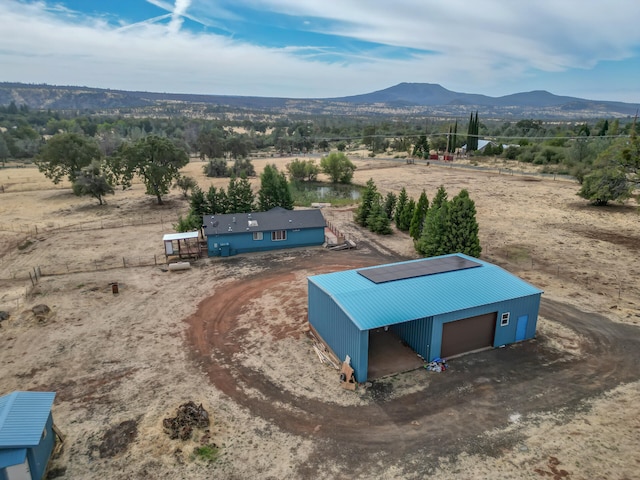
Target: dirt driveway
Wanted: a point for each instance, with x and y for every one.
(479, 393)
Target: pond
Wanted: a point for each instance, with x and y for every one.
(329, 191)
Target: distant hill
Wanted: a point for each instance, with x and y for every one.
(404, 98)
(430, 94)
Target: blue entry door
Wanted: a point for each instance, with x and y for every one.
(521, 328)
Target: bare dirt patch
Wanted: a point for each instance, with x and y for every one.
(571, 395)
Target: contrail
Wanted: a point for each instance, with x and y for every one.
(179, 9)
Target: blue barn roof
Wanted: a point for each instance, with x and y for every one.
(23, 416)
(371, 305)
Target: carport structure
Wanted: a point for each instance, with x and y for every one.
(439, 307)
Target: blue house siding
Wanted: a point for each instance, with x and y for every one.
(243, 242)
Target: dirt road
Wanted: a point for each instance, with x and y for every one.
(455, 411)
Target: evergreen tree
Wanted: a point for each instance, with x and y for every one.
(390, 204)
(434, 232)
(440, 197)
(472, 133)
(369, 198)
(407, 215)
(417, 222)
(245, 195)
(402, 201)
(240, 197)
(377, 221)
(198, 203)
(452, 138)
(216, 201)
(462, 234)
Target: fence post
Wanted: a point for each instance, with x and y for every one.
(31, 278)
(124, 264)
(155, 260)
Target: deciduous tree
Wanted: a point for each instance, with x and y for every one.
(156, 160)
(339, 168)
(92, 182)
(274, 190)
(66, 154)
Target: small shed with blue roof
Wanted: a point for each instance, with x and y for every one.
(439, 307)
(233, 233)
(26, 435)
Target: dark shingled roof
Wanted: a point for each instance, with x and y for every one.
(277, 218)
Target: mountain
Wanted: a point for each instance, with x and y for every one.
(430, 94)
(416, 99)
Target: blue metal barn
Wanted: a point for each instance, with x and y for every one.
(438, 314)
(26, 435)
(230, 234)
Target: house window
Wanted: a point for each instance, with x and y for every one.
(257, 235)
(504, 320)
(279, 235)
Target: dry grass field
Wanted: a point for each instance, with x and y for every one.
(231, 334)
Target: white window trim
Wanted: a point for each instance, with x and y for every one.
(278, 235)
(504, 319)
(257, 235)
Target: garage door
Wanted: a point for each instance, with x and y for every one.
(468, 334)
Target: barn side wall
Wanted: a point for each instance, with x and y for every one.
(416, 334)
(338, 331)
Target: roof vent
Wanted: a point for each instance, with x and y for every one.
(230, 228)
(234, 219)
(253, 223)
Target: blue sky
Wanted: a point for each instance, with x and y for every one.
(325, 48)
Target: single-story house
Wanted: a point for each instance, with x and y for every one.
(233, 233)
(439, 307)
(26, 435)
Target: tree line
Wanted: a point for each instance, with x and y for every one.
(437, 228)
(582, 149)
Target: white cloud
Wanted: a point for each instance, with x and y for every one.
(179, 10)
(480, 50)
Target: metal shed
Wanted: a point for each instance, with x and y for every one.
(181, 245)
(439, 307)
(26, 435)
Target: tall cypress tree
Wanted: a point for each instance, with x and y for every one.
(407, 215)
(417, 222)
(402, 201)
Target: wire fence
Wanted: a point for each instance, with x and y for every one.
(126, 221)
(617, 286)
